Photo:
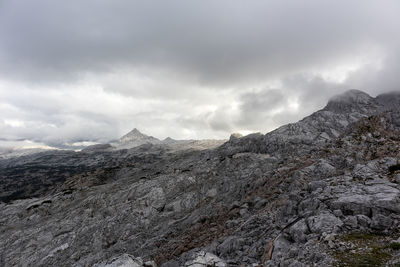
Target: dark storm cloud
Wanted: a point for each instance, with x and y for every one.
(180, 68)
(213, 41)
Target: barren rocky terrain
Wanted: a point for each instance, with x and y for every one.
(324, 191)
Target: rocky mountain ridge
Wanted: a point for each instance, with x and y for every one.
(135, 138)
(320, 192)
(321, 126)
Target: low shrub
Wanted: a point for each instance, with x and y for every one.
(394, 168)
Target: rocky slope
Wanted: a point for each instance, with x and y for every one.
(320, 192)
(33, 174)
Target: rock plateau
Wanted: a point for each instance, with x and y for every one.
(320, 192)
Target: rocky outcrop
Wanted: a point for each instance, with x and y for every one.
(125, 260)
(205, 259)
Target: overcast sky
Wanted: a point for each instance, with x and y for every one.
(91, 70)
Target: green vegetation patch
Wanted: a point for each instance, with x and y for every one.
(358, 237)
(394, 246)
(364, 250)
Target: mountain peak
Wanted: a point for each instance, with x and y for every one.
(350, 100)
(352, 96)
(136, 137)
(134, 132)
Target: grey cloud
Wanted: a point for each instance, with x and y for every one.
(298, 96)
(216, 42)
(188, 69)
(255, 107)
(220, 120)
(217, 121)
(380, 80)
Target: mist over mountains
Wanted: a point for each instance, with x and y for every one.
(74, 74)
(199, 133)
(322, 191)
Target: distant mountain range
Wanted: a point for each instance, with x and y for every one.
(130, 140)
(135, 138)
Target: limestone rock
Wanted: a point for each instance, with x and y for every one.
(209, 203)
(125, 260)
(205, 259)
(324, 223)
